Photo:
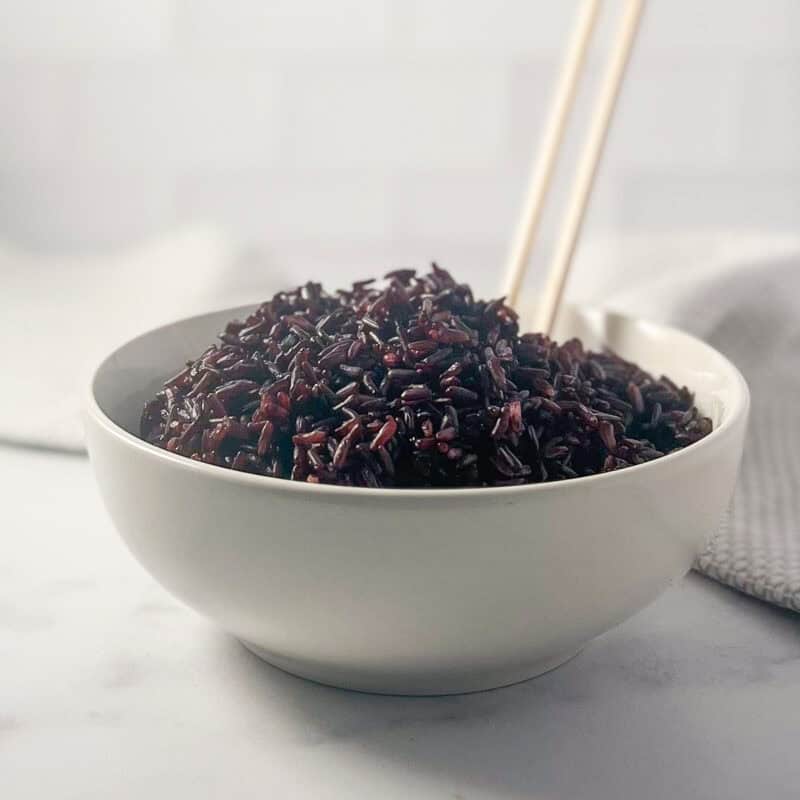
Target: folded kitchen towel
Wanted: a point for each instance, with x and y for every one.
(754, 318)
(748, 307)
(64, 314)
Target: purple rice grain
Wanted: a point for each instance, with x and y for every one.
(412, 383)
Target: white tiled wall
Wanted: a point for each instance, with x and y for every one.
(350, 135)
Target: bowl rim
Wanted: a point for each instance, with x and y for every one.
(739, 408)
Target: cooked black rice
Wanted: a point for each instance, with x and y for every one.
(412, 383)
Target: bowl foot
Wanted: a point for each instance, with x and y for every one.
(400, 684)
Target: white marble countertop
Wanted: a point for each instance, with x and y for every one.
(111, 689)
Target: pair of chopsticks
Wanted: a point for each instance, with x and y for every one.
(588, 162)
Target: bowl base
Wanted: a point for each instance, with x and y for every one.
(342, 678)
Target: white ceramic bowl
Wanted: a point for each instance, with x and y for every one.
(415, 591)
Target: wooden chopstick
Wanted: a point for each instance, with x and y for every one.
(588, 162)
(545, 161)
(587, 166)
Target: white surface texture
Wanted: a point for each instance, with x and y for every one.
(111, 689)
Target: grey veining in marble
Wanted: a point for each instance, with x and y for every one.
(110, 689)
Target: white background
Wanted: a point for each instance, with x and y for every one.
(341, 138)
